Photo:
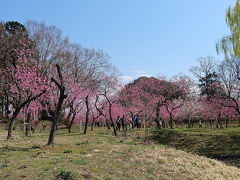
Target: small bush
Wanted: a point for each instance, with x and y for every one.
(108, 178)
(4, 164)
(212, 163)
(29, 137)
(161, 161)
(35, 146)
(81, 143)
(67, 151)
(83, 152)
(66, 175)
(79, 162)
(100, 133)
(138, 137)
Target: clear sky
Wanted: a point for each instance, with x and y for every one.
(143, 37)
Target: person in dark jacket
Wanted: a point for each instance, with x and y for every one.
(118, 123)
(138, 122)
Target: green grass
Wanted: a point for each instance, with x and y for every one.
(222, 144)
(100, 155)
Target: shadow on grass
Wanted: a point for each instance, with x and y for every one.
(10, 148)
(223, 146)
(22, 149)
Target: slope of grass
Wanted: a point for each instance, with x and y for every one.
(219, 144)
(100, 155)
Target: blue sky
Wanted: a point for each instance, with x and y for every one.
(143, 37)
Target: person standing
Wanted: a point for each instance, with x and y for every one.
(122, 123)
(130, 121)
(200, 124)
(138, 122)
(118, 123)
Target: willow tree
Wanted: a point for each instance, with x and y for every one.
(230, 45)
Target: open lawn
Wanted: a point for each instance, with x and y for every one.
(100, 155)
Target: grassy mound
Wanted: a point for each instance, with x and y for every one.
(100, 155)
(221, 144)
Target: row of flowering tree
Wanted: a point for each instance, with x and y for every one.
(41, 74)
(74, 84)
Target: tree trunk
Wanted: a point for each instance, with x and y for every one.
(87, 115)
(133, 121)
(27, 125)
(239, 121)
(189, 123)
(110, 115)
(92, 124)
(56, 117)
(158, 124)
(123, 123)
(107, 123)
(10, 128)
(53, 129)
(226, 122)
(7, 109)
(158, 115)
(70, 125)
(211, 122)
(171, 122)
(145, 129)
(2, 107)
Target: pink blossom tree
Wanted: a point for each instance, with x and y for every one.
(24, 83)
(108, 91)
